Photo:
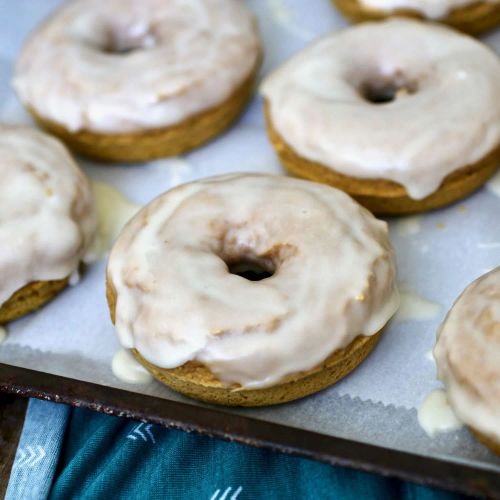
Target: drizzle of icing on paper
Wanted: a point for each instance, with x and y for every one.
(127, 369)
(435, 414)
(409, 225)
(114, 210)
(415, 307)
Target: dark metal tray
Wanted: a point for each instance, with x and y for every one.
(250, 431)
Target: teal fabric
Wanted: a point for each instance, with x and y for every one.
(38, 451)
(112, 458)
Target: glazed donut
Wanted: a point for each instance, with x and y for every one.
(185, 293)
(47, 219)
(471, 16)
(402, 115)
(467, 355)
(129, 80)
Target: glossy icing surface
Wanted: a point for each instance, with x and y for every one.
(125, 65)
(331, 267)
(443, 109)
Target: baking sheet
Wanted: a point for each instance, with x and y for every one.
(438, 255)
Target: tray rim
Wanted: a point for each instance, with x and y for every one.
(215, 422)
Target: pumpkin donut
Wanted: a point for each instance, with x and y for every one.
(47, 219)
(467, 356)
(131, 80)
(251, 290)
(402, 115)
(471, 16)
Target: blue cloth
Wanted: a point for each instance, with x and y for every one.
(38, 451)
(109, 457)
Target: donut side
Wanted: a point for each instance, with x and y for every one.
(29, 298)
(488, 442)
(255, 341)
(384, 197)
(474, 19)
(196, 381)
(159, 142)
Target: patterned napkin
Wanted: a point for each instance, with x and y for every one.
(68, 453)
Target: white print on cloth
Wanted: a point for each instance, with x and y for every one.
(29, 457)
(225, 494)
(142, 432)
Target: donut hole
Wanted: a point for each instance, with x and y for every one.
(250, 269)
(377, 92)
(239, 254)
(121, 42)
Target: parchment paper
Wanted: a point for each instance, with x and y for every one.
(438, 255)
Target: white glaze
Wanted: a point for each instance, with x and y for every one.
(408, 226)
(468, 355)
(47, 218)
(432, 9)
(114, 210)
(176, 300)
(191, 55)
(3, 333)
(435, 414)
(452, 120)
(127, 369)
(415, 307)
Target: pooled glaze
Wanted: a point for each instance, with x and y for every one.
(3, 333)
(447, 118)
(118, 66)
(432, 9)
(467, 355)
(126, 368)
(334, 277)
(114, 210)
(47, 218)
(435, 414)
(415, 307)
(408, 226)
